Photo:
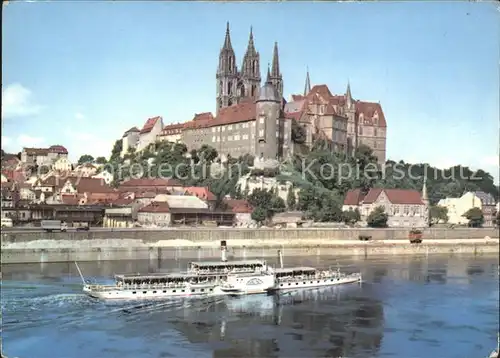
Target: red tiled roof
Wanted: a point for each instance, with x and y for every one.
(173, 128)
(149, 182)
(122, 202)
(353, 197)
(395, 196)
(294, 115)
(156, 207)
(90, 185)
(241, 112)
(297, 97)
(238, 206)
(150, 123)
(201, 192)
(71, 199)
(322, 90)
(36, 151)
(369, 109)
(59, 149)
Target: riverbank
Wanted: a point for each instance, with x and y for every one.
(44, 251)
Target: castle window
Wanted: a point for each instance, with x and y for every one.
(261, 119)
(375, 132)
(229, 88)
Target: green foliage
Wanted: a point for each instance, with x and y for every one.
(267, 200)
(351, 217)
(266, 172)
(116, 151)
(86, 158)
(100, 160)
(475, 217)
(497, 219)
(377, 218)
(438, 214)
(290, 198)
(259, 214)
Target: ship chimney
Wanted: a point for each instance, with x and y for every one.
(280, 258)
(223, 251)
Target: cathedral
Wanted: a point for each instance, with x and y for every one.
(254, 118)
(232, 85)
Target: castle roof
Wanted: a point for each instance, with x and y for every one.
(150, 123)
(131, 130)
(241, 112)
(395, 196)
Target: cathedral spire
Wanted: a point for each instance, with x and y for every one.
(227, 40)
(251, 46)
(307, 87)
(275, 70)
(348, 95)
(268, 78)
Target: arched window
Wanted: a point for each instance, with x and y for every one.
(229, 87)
(253, 91)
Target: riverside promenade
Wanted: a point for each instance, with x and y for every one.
(175, 243)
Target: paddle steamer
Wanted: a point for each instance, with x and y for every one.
(308, 277)
(204, 278)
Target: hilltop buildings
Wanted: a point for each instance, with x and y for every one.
(254, 118)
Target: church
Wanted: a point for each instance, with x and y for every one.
(254, 118)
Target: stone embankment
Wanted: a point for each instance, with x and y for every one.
(204, 243)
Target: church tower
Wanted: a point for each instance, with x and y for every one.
(352, 125)
(227, 75)
(275, 76)
(307, 87)
(249, 83)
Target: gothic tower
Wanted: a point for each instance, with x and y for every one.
(276, 77)
(227, 75)
(307, 87)
(352, 125)
(249, 82)
(268, 107)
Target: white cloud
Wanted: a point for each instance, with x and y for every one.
(16, 102)
(79, 116)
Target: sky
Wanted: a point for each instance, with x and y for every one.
(79, 74)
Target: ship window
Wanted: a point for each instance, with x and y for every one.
(211, 289)
(134, 292)
(296, 283)
(164, 291)
(202, 290)
(289, 284)
(154, 291)
(311, 282)
(183, 290)
(144, 291)
(174, 291)
(193, 290)
(304, 283)
(318, 281)
(281, 285)
(331, 280)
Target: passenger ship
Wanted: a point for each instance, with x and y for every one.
(204, 278)
(309, 277)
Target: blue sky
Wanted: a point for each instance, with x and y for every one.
(81, 73)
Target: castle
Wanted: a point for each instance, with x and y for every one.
(252, 118)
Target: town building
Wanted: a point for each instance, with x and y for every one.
(457, 207)
(405, 208)
(488, 206)
(130, 140)
(43, 156)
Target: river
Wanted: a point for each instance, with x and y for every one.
(411, 307)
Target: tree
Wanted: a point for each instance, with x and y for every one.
(259, 214)
(438, 214)
(378, 218)
(207, 153)
(475, 217)
(290, 198)
(100, 160)
(497, 218)
(350, 216)
(86, 158)
(116, 151)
